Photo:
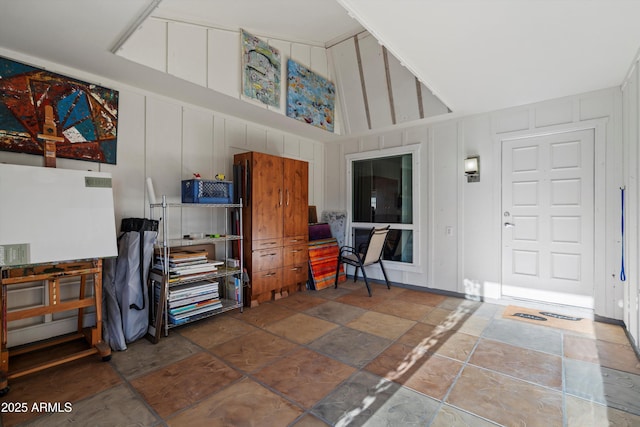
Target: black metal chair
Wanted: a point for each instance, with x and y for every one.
(367, 254)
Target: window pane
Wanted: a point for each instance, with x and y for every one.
(399, 246)
(382, 190)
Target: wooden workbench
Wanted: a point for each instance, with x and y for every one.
(52, 274)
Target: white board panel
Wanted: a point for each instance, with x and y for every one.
(349, 86)
(52, 215)
(318, 62)
(163, 154)
(375, 81)
(405, 93)
(431, 104)
(301, 53)
(187, 52)
(129, 182)
(147, 46)
(223, 58)
(554, 113)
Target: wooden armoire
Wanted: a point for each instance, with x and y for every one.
(275, 193)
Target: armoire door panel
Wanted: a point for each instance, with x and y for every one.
(267, 198)
(296, 200)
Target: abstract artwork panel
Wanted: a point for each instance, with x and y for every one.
(260, 70)
(34, 103)
(310, 97)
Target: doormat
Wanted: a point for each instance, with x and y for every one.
(547, 318)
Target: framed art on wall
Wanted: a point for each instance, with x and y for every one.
(260, 70)
(310, 97)
(36, 104)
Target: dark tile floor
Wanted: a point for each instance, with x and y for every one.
(339, 357)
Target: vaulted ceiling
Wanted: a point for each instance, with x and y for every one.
(476, 55)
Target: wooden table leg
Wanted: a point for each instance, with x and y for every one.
(97, 342)
(82, 294)
(4, 352)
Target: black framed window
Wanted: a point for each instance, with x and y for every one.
(382, 193)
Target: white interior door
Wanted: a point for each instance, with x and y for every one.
(548, 218)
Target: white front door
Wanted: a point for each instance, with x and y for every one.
(548, 218)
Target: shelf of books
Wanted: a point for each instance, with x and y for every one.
(188, 284)
(193, 286)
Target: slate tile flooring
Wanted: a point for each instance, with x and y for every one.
(338, 357)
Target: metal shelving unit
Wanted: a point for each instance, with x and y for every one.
(159, 315)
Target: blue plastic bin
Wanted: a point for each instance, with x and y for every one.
(204, 191)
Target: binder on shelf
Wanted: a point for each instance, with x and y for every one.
(195, 306)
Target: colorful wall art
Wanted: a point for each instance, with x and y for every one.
(310, 97)
(260, 70)
(81, 117)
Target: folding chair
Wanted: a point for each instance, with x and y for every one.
(367, 254)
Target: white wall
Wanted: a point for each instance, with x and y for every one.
(168, 141)
(211, 57)
(471, 256)
(631, 137)
(393, 95)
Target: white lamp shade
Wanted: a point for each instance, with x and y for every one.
(471, 165)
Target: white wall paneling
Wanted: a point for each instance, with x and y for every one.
(391, 139)
(187, 63)
(471, 256)
(554, 113)
(129, 182)
(211, 57)
(631, 136)
(197, 144)
(301, 54)
(275, 143)
(375, 81)
(168, 141)
(143, 46)
(478, 229)
(512, 120)
(197, 157)
(431, 104)
(257, 140)
(444, 206)
(223, 61)
(290, 146)
(405, 96)
(236, 134)
(163, 152)
(349, 86)
(319, 63)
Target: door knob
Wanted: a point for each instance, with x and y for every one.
(509, 225)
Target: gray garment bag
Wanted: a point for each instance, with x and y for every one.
(126, 296)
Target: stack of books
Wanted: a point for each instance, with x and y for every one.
(188, 300)
(187, 265)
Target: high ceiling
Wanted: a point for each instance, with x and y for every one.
(314, 22)
(476, 55)
(484, 55)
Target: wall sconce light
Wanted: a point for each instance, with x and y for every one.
(472, 168)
